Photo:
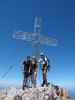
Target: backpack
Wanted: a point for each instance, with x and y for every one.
(48, 61)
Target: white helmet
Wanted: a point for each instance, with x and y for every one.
(41, 53)
(33, 57)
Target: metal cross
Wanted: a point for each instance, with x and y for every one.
(35, 37)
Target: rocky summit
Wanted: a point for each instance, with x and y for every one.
(39, 93)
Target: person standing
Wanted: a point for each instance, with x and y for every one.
(26, 71)
(45, 67)
(34, 70)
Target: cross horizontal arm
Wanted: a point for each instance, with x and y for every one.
(48, 41)
(26, 36)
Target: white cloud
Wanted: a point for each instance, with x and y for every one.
(5, 83)
(8, 83)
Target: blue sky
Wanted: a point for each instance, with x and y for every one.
(58, 21)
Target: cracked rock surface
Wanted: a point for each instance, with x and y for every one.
(39, 93)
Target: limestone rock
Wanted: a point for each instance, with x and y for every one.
(39, 93)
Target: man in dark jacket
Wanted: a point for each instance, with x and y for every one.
(26, 71)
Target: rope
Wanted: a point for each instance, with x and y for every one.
(6, 73)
